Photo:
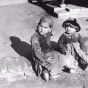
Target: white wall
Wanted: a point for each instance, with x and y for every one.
(11, 2)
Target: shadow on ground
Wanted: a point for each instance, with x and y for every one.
(22, 48)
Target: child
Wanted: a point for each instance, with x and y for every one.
(71, 44)
(46, 59)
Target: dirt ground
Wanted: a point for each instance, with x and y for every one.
(17, 24)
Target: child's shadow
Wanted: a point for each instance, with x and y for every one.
(22, 48)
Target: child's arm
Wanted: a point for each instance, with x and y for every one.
(82, 43)
(61, 44)
(37, 50)
(80, 52)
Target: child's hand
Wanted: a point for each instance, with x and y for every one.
(67, 52)
(51, 60)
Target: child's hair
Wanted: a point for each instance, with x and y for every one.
(72, 23)
(46, 19)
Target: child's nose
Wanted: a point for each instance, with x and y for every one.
(68, 28)
(43, 28)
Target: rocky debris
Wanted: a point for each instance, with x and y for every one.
(15, 68)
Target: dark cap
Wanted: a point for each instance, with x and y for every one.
(73, 23)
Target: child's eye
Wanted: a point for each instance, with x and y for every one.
(45, 27)
(40, 25)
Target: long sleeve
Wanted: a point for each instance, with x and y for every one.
(37, 49)
(82, 43)
(80, 52)
(61, 44)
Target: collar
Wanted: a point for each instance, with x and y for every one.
(71, 35)
(47, 35)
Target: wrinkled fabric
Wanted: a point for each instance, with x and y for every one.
(66, 46)
(42, 51)
(66, 39)
(81, 53)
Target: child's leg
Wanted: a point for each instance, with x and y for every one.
(38, 68)
(46, 75)
(56, 67)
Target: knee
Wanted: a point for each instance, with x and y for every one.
(46, 75)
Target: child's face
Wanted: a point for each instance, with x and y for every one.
(70, 30)
(44, 28)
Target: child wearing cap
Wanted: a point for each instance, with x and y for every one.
(71, 45)
(45, 58)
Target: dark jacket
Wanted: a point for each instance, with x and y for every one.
(41, 47)
(66, 40)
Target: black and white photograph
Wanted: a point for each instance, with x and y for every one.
(44, 44)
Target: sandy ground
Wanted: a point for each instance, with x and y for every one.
(17, 24)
